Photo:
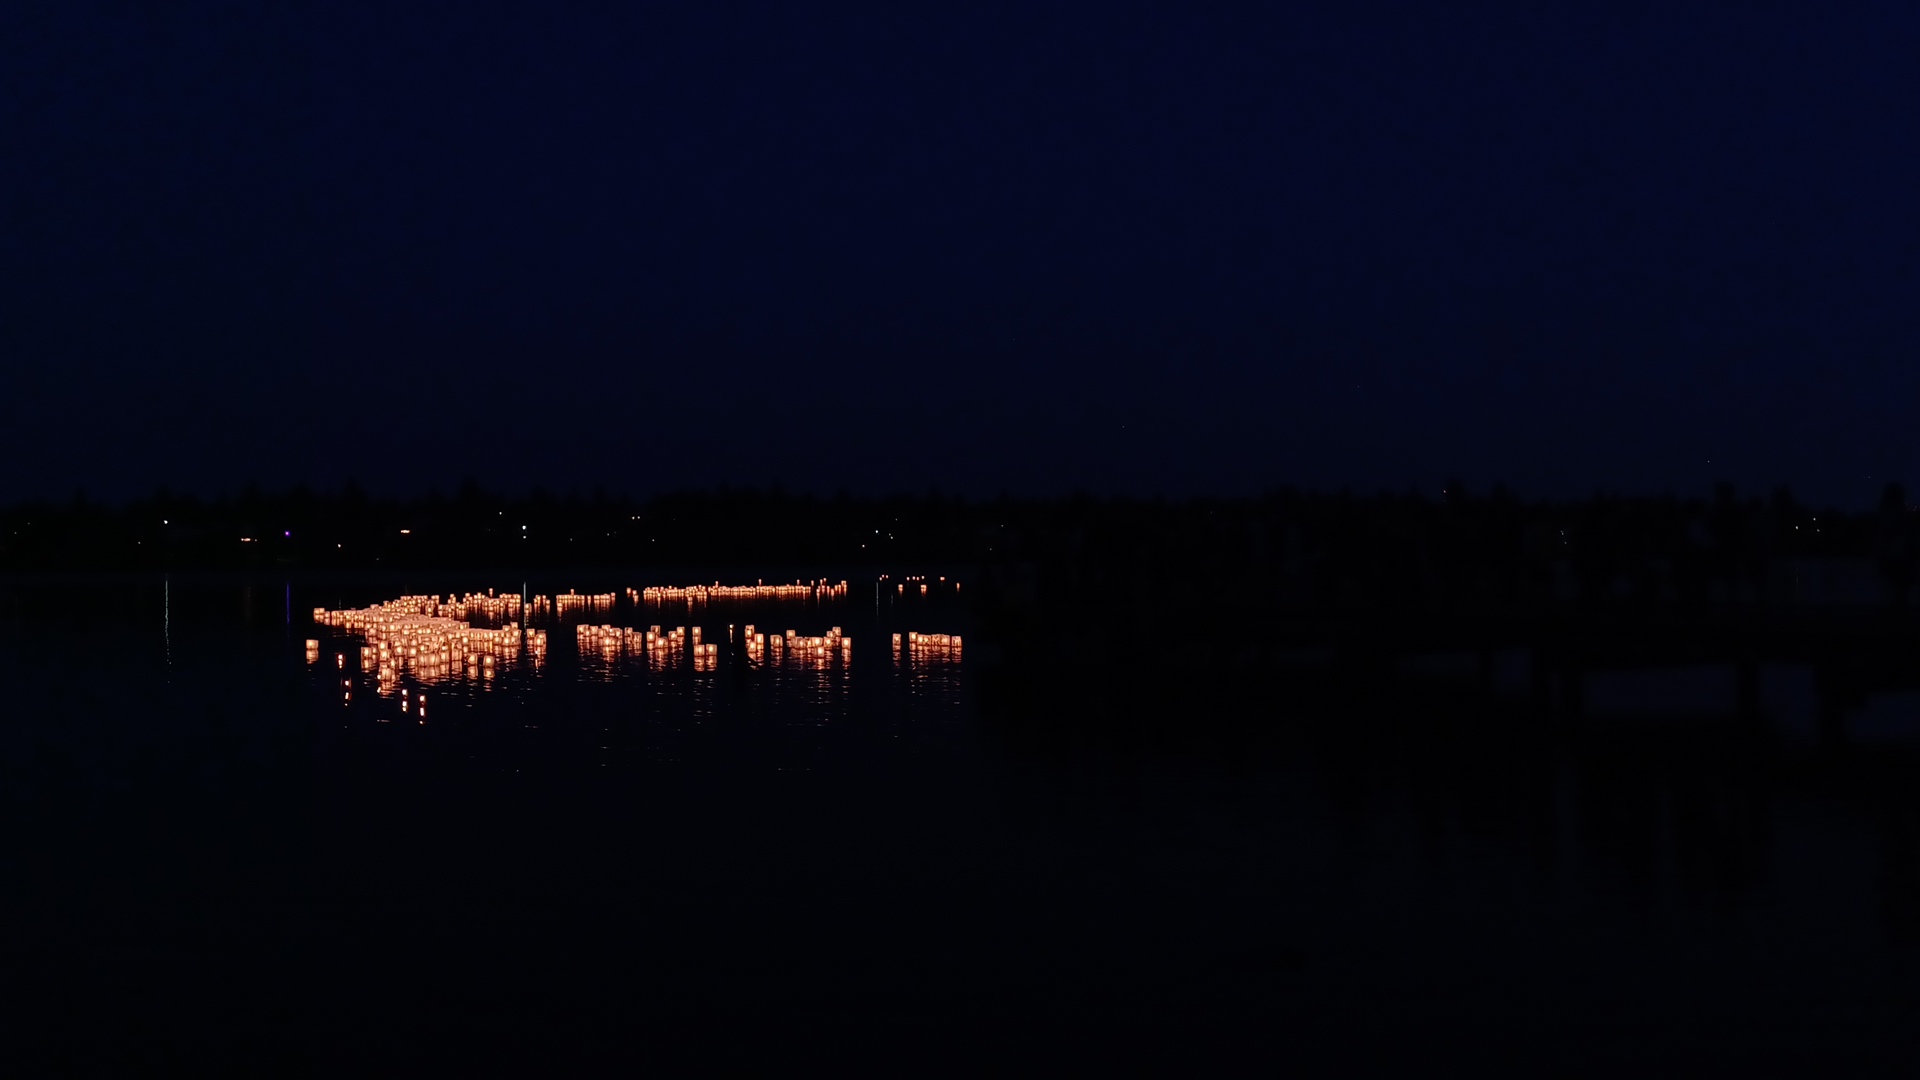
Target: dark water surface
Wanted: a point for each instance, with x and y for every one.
(216, 860)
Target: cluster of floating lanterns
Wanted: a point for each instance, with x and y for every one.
(487, 607)
(429, 639)
(927, 648)
(490, 608)
(818, 652)
(666, 649)
(661, 649)
(672, 648)
(820, 589)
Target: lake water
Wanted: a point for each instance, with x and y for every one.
(220, 852)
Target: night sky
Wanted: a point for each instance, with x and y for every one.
(1181, 248)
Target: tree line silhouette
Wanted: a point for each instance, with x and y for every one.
(1289, 548)
(1464, 553)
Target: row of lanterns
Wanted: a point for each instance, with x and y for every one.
(587, 603)
(661, 649)
(927, 648)
(820, 589)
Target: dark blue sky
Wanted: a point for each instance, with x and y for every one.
(1176, 248)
